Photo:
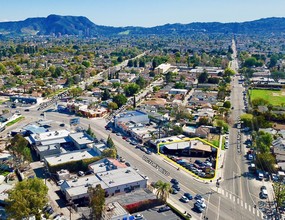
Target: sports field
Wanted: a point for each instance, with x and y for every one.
(274, 97)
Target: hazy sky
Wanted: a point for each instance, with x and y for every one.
(145, 12)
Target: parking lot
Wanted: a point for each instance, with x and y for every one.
(154, 214)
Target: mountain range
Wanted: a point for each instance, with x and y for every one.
(79, 25)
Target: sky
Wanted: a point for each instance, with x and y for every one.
(146, 13)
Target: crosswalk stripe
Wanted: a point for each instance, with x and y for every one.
(234, 198)
(257, 213)
(226, 194)
(222, 191)
(253, 210)
(241, 203)
(230, 196)
(245, 205)
(237, 200)
(249, 208)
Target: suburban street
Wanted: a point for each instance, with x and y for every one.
(223, 205)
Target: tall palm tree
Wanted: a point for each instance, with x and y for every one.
(162, 190)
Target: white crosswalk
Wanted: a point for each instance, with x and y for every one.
(238, 201)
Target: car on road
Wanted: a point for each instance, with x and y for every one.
(184, 199)
(174, 191)
(27, 110)
(127, 164)
(264, 194)
(198, 208)
(177, 187)
(188, 196)
(201, 202)
(198, 197)
(164, 209)
(174, 181)
(62, 125)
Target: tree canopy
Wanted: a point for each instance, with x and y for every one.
(26, 199)
(120, 99)
(96, 201)
(162, 190)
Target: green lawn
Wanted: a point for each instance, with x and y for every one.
(15, 121)
(274, 97)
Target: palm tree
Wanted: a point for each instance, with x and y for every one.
(162, 190)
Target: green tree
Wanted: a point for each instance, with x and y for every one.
(263, 142)
(131, 89)
(247, 120)
(90, 132)
(169, 77)
(266, 161)
(279, 192)
(110, 153)
(110, 143)
(19, 148)
(2, 69)
(112, 105)
(120, 59)
(105, 95)
(141, 82)
(86, 63)
(179, 85)
(130, 63)
(227, 104)
(176, 130)
(120, 99)
(75, 91)
(203, 77)
(229, 72)
(26, 199)
(162, 190)
(96, 201)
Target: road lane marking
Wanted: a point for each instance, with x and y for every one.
(218, 215)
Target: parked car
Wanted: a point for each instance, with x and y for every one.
(177, 187)
(188, 196)
(174, 181)
(164, 209)
(138, 217)
(184, 199)
(81, 173)
(263, 194)
(127, 164)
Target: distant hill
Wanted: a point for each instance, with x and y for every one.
(79, 25)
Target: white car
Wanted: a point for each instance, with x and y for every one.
(184, 199)
(138, 217)
(202, 203)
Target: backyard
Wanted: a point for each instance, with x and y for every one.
(274, 97)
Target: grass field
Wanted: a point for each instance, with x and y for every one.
(274, 97)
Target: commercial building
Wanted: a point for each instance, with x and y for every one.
(113, 182)
(78, 155)
(81, 139)
(137, 117)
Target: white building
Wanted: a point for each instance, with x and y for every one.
(113, 182)
(178, 91)
(81, 140)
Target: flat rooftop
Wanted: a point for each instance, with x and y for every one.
(81, 138)
(50, 135)
(42, 148)
(114, 210)
(120, 177)
(129, 114)
(70, 156)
